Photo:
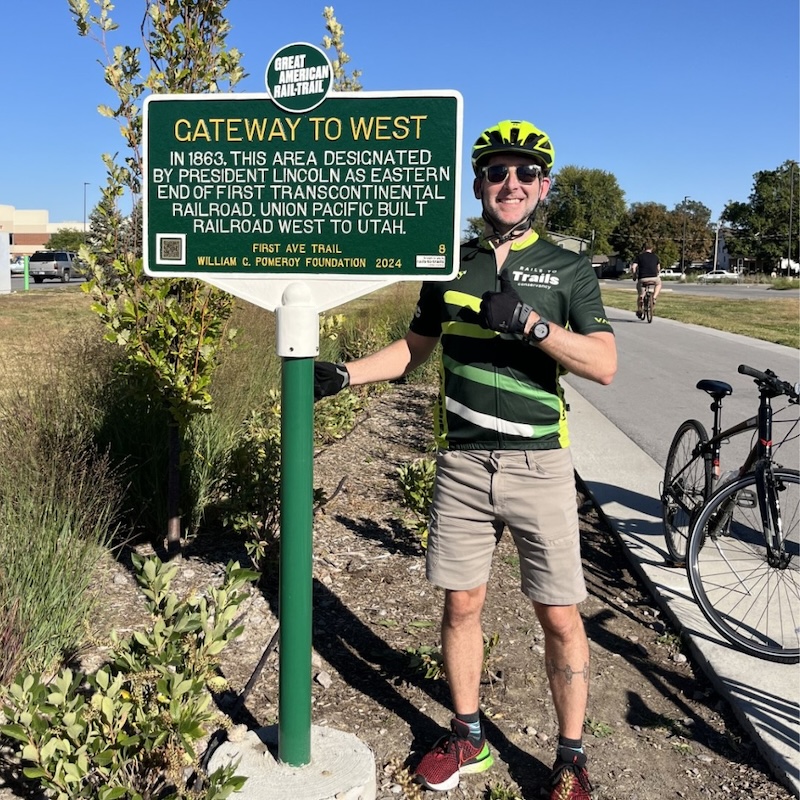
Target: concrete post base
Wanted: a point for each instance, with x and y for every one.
(342, 767)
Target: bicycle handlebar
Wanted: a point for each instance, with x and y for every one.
(770, 381)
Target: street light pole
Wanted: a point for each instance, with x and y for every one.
(683, 238)
(85, 184)
(791, 203)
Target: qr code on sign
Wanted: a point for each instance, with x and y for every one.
(171, 248)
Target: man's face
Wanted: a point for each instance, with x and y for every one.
(511, 200)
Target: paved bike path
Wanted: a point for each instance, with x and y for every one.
(625, 482)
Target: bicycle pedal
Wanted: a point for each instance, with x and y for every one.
(746, 499)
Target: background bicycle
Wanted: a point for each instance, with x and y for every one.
(648, 303)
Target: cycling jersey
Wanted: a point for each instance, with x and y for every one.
(498, 392)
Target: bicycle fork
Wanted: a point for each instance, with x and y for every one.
(769, 507)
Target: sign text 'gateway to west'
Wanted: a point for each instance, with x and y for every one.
(364, 185)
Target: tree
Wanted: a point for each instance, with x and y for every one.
(171, 330)
(342, 82)
(759, 228)
(691, 229)
(587, 203)
(105, 222)
(643, 224)
(66, 239)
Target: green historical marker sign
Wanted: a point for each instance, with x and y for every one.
(361, 185)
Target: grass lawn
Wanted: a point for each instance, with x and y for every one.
(36, 324)
(776, 321)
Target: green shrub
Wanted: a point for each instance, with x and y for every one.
(130, 730)
(251, 484)
(417, 481)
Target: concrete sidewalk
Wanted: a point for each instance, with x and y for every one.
(625, 483)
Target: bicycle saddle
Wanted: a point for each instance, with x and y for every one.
(717, 389)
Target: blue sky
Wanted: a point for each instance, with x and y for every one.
(674, 97)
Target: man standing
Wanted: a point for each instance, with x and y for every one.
(647, 271)
(520, 313)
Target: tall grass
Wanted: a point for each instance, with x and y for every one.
(59, 506)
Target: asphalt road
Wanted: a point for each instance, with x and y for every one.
(18, 284)
(659, 366)
(747, 291)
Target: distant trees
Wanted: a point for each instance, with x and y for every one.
(587, 203)
(692, 231)
(66, 239)
(760, 228)
(643, 224)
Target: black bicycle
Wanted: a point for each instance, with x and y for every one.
(741, 544)
(648, 302)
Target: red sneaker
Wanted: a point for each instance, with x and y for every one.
(570, 782)
(452, 756)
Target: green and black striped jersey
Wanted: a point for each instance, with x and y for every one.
(497, 392)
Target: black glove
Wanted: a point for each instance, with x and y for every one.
(504, 311)
(329, 379)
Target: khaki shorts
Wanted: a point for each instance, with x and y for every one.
(647, 282)
(478, 493)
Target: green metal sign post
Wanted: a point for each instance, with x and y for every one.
(297, 201)
(295, 604)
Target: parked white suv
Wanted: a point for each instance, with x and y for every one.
(61, 264)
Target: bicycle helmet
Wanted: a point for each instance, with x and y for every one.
(514, 136)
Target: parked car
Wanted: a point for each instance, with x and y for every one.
(718, 275)
(672, 275)
(17, 265)
(61, 264)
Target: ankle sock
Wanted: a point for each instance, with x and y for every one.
(570, 751)
(473, 721)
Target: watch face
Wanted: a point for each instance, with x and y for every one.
(540, 330)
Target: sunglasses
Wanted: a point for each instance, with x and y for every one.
(497, 173)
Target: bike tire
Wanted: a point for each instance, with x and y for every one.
(748, 598)
(687, 484)
(648, 308)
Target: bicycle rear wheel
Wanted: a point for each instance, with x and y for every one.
(749, 592)
(648, 307)
(687, 483)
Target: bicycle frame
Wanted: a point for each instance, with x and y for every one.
(758, 461)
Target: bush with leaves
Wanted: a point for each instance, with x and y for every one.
(251, 486)
(130, 730)
(417, 480)
(251, 489)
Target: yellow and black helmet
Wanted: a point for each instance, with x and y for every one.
(514, 136)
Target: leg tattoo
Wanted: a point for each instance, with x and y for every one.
(566, 671)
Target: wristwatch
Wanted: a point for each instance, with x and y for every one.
(539, 332)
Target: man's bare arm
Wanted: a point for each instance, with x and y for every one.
(592, 356)
(393, 361)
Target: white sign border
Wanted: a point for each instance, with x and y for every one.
(227, 279)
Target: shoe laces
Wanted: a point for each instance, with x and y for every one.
(565, 782)
(453, 743)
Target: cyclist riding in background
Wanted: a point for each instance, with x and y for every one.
(646, 271)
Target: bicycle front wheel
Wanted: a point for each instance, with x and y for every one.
(687, 483)
(746, 581)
